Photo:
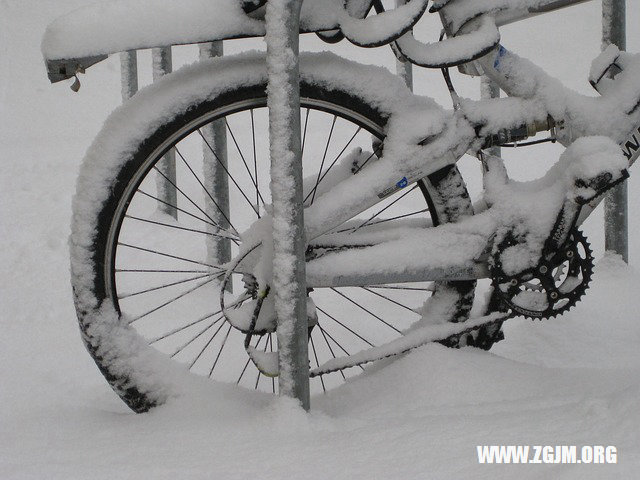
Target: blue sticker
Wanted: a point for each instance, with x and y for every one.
(501, 53)
(402, 183)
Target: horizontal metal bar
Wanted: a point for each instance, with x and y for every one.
(511, 16)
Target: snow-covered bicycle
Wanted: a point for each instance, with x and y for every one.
(395, 246)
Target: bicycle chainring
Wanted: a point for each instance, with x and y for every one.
(551, 288)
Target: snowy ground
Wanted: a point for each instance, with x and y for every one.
(569, 381)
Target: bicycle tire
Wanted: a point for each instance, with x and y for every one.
(120, 352)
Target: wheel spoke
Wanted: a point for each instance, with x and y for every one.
(185, 195)
(365, 310)
(249, 360)
(397, 217)
(345, 327)
(324, 156)
(185, 212)
(244, 161)
(389, 299)
(224, 167)
(153, 289)
(224, 341)
(259, 372)
(206, 345)
(273, 380)
(208, 193)
(174, 299)
(184, 327)
(178, 227)
(315, 355)
(255, 160)
(383, 220)
(304, 133)
(394, 287)
(168, 255)
(198, 335)
(324, 335)
(143, 270)
(385, 208)
(336, 342)
(332, 163)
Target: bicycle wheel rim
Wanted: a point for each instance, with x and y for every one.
(324, 339)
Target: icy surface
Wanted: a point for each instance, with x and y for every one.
(569, 381)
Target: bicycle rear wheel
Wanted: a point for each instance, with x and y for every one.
(151, 274)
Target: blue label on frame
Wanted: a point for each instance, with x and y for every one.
(501, 53)
(402, 183)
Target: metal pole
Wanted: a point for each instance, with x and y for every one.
(507, 16)
(128, 74)
(616, 234)
(289, 282)
(161, 58)
(490, 89)
(404, 69)
(216, 181)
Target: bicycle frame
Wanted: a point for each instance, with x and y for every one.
(446, 140)
(467, 268)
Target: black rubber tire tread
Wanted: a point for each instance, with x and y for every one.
(136, 399)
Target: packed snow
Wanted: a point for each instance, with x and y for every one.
(571, 380)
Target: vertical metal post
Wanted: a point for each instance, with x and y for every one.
(616, 232)
(216, 181)
(490, 89)
(404, 69)
(289, 282)
(129, 74)
(162, 65)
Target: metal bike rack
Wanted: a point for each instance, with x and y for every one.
(616, 223)
(129, 74)
(166, 182)
(289, 279)
(214, 148)
(214, 151)
(404, 69)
